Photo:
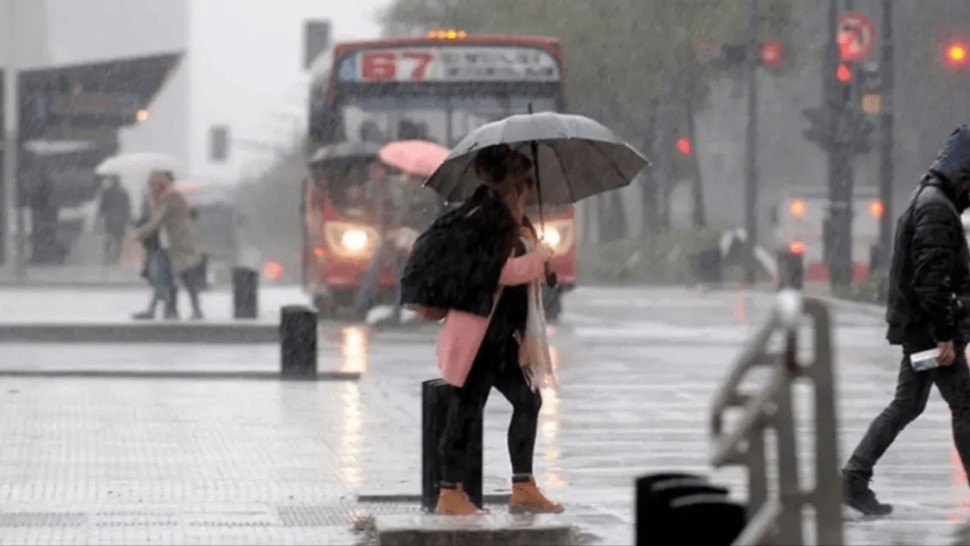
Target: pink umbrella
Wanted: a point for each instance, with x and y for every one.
(414, 157)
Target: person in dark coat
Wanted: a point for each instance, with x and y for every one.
(929, 290)
(115, 209)
(474, 262)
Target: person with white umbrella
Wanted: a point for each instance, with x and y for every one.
(180, 255)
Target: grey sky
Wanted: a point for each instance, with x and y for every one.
(246, 71)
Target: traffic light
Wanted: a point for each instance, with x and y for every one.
(957, 53)
(876, 208)
(218, 143)
(684, 146)
(771, 54)
(844, 74)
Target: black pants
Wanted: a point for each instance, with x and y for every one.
(912, 391)
(496, 365)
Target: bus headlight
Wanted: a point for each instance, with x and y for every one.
(351, 240)
(354, 240)
(558, 234)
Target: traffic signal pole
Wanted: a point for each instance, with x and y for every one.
(886, 137)
(839, 95)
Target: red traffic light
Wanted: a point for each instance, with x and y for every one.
(684, 146)
(844, 74)
(956, 54)
(772, 53)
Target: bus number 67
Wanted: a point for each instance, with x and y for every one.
(384, 65)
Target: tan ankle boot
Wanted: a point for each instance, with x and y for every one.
(455, 502)
(528, 499)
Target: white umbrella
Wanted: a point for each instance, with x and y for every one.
(138, 163)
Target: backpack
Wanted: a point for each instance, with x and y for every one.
(434, 314)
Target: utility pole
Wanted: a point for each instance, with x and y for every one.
(751, 172)
(886, 136)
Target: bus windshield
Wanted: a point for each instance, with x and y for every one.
(444, 119)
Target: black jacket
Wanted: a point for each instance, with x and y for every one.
(929, 282)
(457, 262)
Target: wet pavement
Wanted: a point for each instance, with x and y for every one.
(127, 460)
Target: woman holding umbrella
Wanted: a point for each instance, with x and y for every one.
(485, 254)
(480, 267)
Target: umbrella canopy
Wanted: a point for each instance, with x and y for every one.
(134, 164)
(414, 157)
(343, 151)
(578, 157)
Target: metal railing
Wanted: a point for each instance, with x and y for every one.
(776, 514)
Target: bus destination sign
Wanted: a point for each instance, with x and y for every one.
(448, 64)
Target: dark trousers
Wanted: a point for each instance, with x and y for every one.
(163, 279)
(912, 392)
(495, 366)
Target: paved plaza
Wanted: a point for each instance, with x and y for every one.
(139, 460)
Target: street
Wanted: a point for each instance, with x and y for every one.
(129, 460)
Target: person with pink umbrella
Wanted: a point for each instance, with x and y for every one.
(408, 209)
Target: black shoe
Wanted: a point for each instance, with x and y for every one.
(856, 494)
(144, 315)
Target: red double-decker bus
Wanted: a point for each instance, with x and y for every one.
(437, 87)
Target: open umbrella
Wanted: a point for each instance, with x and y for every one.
(577, 157)
(414, 157)
(136, 163)
(344, 151)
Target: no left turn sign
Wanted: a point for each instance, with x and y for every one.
(856, 36)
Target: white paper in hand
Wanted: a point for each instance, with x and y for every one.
(925, 360)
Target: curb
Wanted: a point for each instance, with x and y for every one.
(487, 498)
(854, 306)
(135, 374)
(239, 333)
(427, 530)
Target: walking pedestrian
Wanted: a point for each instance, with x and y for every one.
(179, 255)
(152, 245)
(115, 210)
(482, 263)
(929, 290)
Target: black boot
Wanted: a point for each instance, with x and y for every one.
(856, 494)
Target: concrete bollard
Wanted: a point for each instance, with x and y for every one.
(298, 342)
(723, 520)
(245, 287)
(435, 397)
(653, 502)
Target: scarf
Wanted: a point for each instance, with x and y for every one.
(534, 354)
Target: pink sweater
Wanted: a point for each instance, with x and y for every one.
(462, 333)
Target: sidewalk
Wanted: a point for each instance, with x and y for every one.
(90, 305)
(133, 461)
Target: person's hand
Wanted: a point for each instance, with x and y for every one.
(947, 353)
(545, 251)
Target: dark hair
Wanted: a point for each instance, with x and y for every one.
(495, 162)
